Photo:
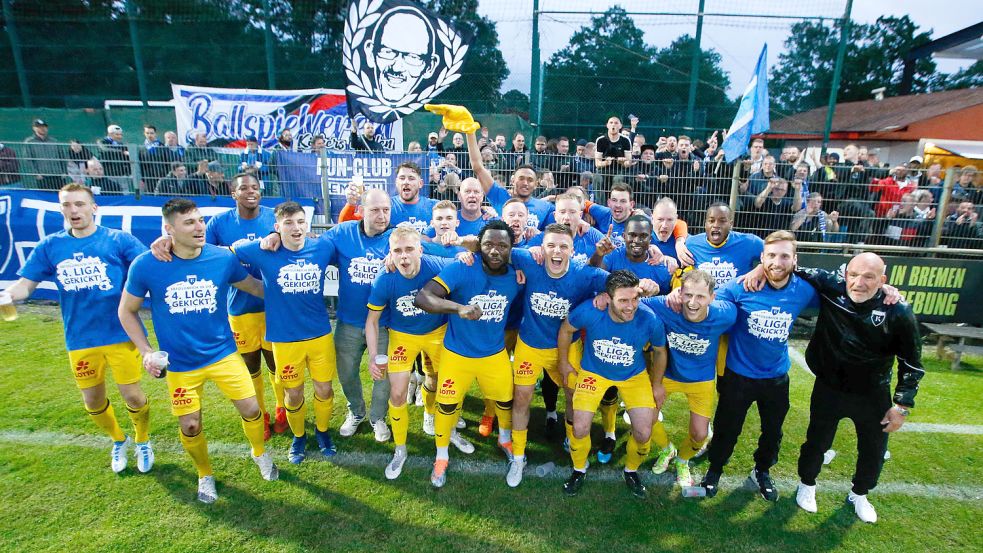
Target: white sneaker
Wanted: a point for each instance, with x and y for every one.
(118, 454)
(267, 468)
(395, 467)
(350, 426)
(206, 489)
(706, 443)
(514, 476)
(428, 424)
(865, 511)
(627, 419)
(829, 456)
(805, 496)
(382, 433)
(461, 443)
(145, 457)
(461, 424)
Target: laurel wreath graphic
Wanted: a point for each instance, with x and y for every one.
(362, 14)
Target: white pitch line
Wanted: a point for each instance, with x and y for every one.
(463, 465)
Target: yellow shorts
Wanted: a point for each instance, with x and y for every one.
(316, 355)
(89, 364)
(229, 374)
(700, 395)
(249, 331)
(405, 348)
(722, 354)
(529, 363)
(636, 391)
(494, 374)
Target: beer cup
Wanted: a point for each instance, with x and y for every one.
(7, 309)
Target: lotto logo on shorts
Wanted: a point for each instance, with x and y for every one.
(179, 397)
(238, 341)
(447, 388)
(399, 354)
(589, 384)
(525, 369)
(288, 372)
(82, 369)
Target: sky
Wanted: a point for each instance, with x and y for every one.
(737, 39)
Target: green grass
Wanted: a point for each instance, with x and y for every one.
(60, 496)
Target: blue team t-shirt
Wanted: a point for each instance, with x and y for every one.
(668, 247)
(228, 229)
(395, 294)
(615, 350)
(465, 227)
(735, 257)
(618, 260)
(583, 245)
(418, 215)
(188, 304)
(547, 301)
(439, 250)
(758, 346)
(603, 219)
(693, 346)
(89, 273)
(494, 294)
(539, 209)
(358, 257)
(292, 284)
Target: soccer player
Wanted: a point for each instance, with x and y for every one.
(693, 336)
(569, 212)
(550, 290)
(88, 264)
(297, 323)
(188, 295)
(248, 221)
(859, 334)
(724, 253)
(412, 331)
(757, 361)
(407, 207)
(615, 343)
(477, 299)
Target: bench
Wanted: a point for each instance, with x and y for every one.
(960, 333)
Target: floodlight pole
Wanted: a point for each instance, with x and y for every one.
(131, 13)
(694, 69)
(268, 35)
(8, 16)
(837, 72)
(535, 83)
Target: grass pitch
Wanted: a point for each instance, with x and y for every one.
(59, 494)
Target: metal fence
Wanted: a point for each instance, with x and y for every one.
(840, 203)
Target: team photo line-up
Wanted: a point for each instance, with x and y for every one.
(631, 309)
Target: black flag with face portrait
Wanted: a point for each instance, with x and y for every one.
(398, 56)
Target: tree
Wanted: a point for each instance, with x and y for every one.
(970, 77)
(515, 102)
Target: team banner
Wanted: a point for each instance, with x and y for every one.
(228, 116)
(398, 56)
(307, 175)
(939, 290)
(27, 216)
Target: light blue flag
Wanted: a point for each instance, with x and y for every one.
(752, 115)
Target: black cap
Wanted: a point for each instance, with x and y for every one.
(40, 123)
(648, 147)
(581, 142)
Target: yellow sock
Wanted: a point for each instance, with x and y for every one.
(277, 388)
(659, 436)
(322, 412)
(296, 417)
(579, 450)
(197, 449)
(690, 449)
(444, 423)
(429, 400)
(254, 433)
(636, 453)
(489, 408)
(519, 442)
(504, 415)
(399, 418)
(609, 415)
(258, 386)
(141, 421)
(105, 418)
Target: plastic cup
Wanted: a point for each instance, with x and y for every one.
(694, 491)
(7, 309)
(159, 359)
(545, 469)
(382, 361)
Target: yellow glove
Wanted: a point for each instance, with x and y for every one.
(456, 118)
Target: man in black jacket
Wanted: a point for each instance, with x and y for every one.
(858, 336)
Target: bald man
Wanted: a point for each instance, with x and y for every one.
(859, 334)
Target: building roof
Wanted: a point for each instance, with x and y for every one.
(875, 116)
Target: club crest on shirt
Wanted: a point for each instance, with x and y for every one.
(405, 305)
(493, 306)
(363, 270)
(720, 269)
(191, 295)
(614, 352)
(877, 317)
(769, 324)
(82, 272)
(549, 305)
(418, 224)
(300, 277)
(687, 343)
